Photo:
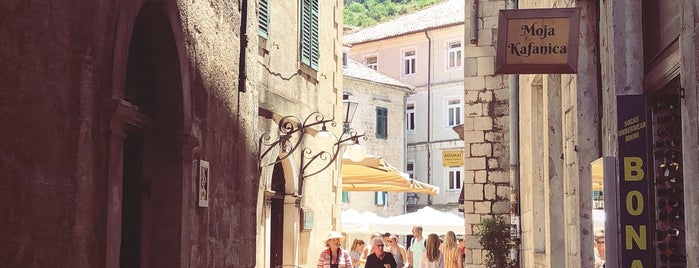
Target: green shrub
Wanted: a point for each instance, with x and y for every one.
(495, 239)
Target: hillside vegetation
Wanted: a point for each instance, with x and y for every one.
(364, 13)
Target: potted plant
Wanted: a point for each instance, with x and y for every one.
(495, 239)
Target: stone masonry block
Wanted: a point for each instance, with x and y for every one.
(477, 51)
(473, 109)
(468, 207)
(486, 96)
(473, 192)
(472, 219)
(501, 207)
(469, 176)
(470, 66)
(474, 83)
(485, 37)
(500, 150)
(499, 177)
(494, 81)
(483, 207)
(493, 163)
(480, 176)
(493, 136)
(474, 163)
(489, 192)
(503, 191)
(486, 65)
(481, 149)
(474, 136)
(472, 96)
(483, 123)
(501, 94)
(490, 22)
(501, 110)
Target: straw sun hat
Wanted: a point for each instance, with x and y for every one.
(333, 234)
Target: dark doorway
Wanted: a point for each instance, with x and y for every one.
(153, 172)
(130, 254)
(277, 217)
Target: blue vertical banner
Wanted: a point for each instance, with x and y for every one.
(635, 203)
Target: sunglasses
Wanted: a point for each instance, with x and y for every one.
(379, 245)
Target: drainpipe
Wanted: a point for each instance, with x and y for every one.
(514, 149)
(429, 114)
(242, 75)
(473, 39)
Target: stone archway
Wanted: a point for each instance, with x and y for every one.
(147, 164)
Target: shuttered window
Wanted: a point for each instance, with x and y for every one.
(309, 33)
(263, 18)
(381, 122)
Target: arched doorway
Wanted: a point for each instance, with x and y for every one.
(276, 257)
(146, 149)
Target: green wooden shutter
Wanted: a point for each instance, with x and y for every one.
(381, 122)
(310, 46)
(263, 18)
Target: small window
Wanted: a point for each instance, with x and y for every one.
(381, 198)
(454, 60)
(344, 59)
(454, 114)
(454, 178)
(310, 47)
(408, 62)
(263, 18)
(410, 169)
(410, 118)
(381, 122)
(372, 62)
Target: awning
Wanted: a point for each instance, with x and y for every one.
(374, 174)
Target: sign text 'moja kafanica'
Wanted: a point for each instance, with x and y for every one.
(538, 41)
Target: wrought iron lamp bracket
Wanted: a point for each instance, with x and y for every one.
(328, 157)
(291, 135)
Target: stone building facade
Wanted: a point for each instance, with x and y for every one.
(130, 132)
(374, 91)
(568, 121)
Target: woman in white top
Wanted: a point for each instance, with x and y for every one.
(432, 257)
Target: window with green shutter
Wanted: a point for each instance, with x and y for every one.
(310, 53)
(381, 122)
(263, 18)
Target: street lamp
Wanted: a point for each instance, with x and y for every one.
(350, 107)
(292, 131)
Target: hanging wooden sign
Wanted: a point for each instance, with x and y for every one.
(538, 41)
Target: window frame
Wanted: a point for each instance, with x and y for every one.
(381, 122)
(410, 114)
(448, 113)
(450, 51)
(374, 65)
(448, 171)
(410, 168)
(413, 64)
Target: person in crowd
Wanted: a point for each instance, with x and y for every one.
(450, 250)
(432, 257)
(333, 256)
(398, 251)
(378, 257)
(600, 252)
(387, 246)
(417, 246)
(356, 251)
(462, 249)
(367, 248)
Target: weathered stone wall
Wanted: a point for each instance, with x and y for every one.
(59, 63)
